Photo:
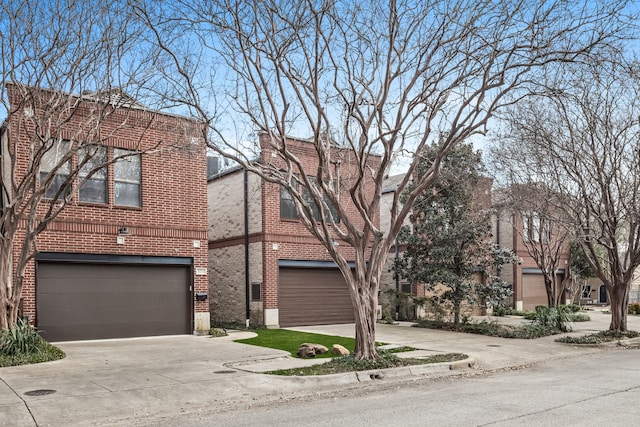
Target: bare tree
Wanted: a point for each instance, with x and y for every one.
(539, 224)
(52, 139)
(580, 137)
(382, 78)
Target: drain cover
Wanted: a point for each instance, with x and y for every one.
(225, 372)
(494, 345)
(42, 392)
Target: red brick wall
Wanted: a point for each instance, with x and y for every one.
(174, 198)
(293, 240)
(283, 239)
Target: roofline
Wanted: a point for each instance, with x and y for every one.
(225, 172)
(85, 98)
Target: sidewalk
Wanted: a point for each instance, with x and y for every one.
(116, 382)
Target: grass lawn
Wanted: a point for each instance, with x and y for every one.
(287, 340)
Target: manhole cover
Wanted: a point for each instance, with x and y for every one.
(494, 345)
(225, 372)
(42, 392)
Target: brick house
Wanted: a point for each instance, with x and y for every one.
(511, 228)
(270, 269)
(127, 256)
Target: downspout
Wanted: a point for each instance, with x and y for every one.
(247, 286)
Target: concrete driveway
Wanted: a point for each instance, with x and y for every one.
(116, 382)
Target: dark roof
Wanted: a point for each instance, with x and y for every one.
(391, 183)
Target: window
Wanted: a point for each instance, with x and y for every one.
(127, 177)
(535, 229)
(52, 168)
(288, 207)
(586, 291)
(93, 189)
(545, 232)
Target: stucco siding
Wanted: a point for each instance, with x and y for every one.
(227, 283)
(225, 196)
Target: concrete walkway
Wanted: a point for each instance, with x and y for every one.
(119, 382)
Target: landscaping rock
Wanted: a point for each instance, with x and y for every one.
(306, 351)
(320, 349)
(339, 350)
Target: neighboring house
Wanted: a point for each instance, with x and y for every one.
(515, 229)
(127, 256)
(482, 199)
(388, 280)
(269, 269)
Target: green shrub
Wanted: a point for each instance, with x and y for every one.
(598, 337)
(529, 331)
(554, 317)
(574, 307)
(351, 364)
(634, 308)
(47, 353)
(500, 311)
(22, 345)
(579, 317)
(482, 328)
(22, 339)
(493, 329)
(218, 332)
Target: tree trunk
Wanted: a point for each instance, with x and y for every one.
(456, 312)
(365, 313)
(619, 306)
(8, 305)
(551, 298)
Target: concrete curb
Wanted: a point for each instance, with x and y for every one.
(416, 370)
(358, 376)
(628, 342)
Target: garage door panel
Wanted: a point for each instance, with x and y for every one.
(534, 292)
(93, 301)
(313, 297)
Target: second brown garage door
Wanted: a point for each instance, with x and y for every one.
(313, 296)
(534, 292)
(96, 301)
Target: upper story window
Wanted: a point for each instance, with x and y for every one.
(127, 177)
(93, 188)
(288, 207)
(536, 229)
(52, 168)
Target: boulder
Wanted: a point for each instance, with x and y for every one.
(320, 349)
(306, 351)
(339, 350)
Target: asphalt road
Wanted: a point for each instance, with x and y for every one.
(601, 389)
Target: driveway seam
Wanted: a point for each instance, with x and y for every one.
(26, 405)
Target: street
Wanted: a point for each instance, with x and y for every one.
(597, 389)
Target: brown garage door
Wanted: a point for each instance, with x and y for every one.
(533, 291)
(96, 301)
(313, 296)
